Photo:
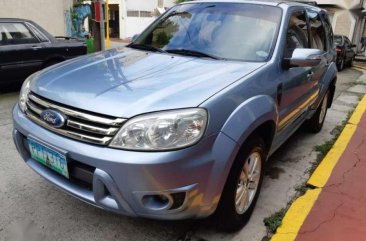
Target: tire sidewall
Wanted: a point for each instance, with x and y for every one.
(226, 210)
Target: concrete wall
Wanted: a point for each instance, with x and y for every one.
(129, 26)
(346, 18)
(346, 4)
(137, 25)
(50, 14)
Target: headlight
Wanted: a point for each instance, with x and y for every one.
(24, 92)
(165, 130)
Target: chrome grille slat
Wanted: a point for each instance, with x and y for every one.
(90, 139)
(34, 108)
(80, 126)
(89, 128)
(77, 114)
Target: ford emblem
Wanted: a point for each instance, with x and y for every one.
(53, 118)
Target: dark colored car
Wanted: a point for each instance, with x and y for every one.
(25, 47)
(345, 52)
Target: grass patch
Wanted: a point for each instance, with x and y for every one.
(336, 132)
(275, 220)
(325, 148)
(301, 189)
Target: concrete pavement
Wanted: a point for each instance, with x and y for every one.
(31, 207)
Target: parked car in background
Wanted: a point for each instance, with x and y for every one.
(25, 48)
(345, 52)
(180, 123)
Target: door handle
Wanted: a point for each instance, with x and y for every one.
(36, 47)
(310, 75)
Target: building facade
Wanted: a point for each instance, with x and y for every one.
(51, 15)
(347, 18)
(130, 17)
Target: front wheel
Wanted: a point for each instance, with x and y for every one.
(242, 187)
(315, 124)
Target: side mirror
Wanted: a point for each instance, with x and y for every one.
(304, 58)
(135, 37)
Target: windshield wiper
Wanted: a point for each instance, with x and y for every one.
(195, 53)
(146, 47)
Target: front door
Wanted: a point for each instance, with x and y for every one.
(296, 85)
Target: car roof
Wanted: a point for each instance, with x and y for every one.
(262, 2)
(14, 20)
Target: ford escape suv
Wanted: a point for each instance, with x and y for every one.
(179, 124)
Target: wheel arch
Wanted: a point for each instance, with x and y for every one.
(257, 115)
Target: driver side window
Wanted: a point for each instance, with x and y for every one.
(297, 33)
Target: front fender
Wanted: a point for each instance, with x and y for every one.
(242, 122)
(248, 116)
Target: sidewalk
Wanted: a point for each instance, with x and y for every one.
(334, 209)
(360, 62)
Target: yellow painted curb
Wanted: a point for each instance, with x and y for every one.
(296, 216)
(322, 173)
(357, 114)
(358, 67)
(301, 207)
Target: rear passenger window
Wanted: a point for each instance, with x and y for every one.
(328, 30)
(317, 32)
(38, 33)
(16, 33)
(297, 33)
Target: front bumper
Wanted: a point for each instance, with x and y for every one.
(121, 179)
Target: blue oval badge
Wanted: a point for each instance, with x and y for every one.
(53, 118)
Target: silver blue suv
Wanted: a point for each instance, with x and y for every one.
(179, 124)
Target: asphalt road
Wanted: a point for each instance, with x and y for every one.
(33, 209)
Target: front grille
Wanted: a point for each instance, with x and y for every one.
(80, 125)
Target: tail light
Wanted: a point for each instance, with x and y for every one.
(338, 50)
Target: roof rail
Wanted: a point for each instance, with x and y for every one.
(314, 3)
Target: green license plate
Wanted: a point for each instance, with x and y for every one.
(48, 157)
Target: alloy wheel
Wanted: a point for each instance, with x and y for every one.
(323, 110)
(248, 182)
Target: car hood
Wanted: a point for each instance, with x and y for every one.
(124, 82)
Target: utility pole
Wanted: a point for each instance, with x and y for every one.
(102, 25)
(108, 41)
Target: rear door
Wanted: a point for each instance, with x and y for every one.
(18, 58)
(318, 40)
(44, 48)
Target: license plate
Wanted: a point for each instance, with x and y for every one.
(48, 157)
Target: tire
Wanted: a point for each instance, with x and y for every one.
(340, 66)
(232, 215)
(315, 124)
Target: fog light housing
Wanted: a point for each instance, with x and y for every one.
(157, 202)
(164, 201)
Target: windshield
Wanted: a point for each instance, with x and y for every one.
(337, 40)
(234, 31)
